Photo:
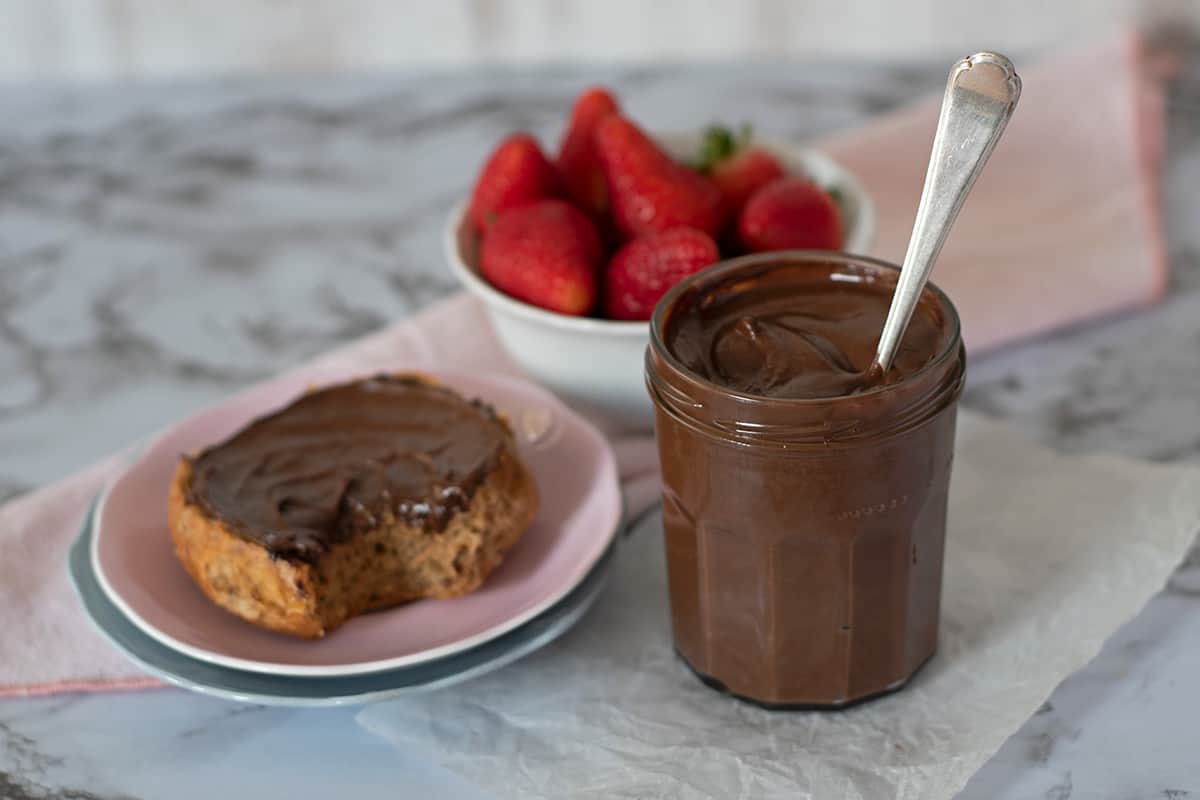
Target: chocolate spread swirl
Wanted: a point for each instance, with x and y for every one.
(798, 334)
(336, 461)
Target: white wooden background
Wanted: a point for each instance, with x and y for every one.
(107, 39)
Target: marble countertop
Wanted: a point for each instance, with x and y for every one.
(162, 246)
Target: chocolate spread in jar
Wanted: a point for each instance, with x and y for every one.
(335, 460)
(804, 498)
(798, 335)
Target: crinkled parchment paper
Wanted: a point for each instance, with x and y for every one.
(1046, 555)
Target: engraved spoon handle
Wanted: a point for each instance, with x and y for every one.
(980, 97)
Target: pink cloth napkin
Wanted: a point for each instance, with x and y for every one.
(1062, 227)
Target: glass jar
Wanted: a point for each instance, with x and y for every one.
(804, 537)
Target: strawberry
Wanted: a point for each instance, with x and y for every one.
(515, 173)
(546, 253)
(790, 213)
(738, 169)
(644, 269)
(648, 192)
(577, 153)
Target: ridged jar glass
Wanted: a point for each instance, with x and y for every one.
(804, 537)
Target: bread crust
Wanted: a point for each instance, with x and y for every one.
(387, 565)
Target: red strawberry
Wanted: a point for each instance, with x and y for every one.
(515, 173)
(577, 154)
(790, 213)
(744, 174)
(644, 269)
(737, 169)
(546, 253)
(648, 191)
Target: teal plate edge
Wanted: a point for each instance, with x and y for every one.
(251, 687)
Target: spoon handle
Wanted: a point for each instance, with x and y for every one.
(980, 97)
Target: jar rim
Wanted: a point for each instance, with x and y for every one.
(723, 269)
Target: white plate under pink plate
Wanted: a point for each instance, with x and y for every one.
(579, 513)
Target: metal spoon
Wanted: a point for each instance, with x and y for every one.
(980, 97)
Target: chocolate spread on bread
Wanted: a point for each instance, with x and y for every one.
(337, 460)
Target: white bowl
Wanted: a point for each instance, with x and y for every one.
(596, 365)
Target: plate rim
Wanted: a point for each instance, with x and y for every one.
(594, 583)
(608, 471)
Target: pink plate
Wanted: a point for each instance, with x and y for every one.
(580, 507)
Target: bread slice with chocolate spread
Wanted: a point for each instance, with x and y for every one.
(352, 498)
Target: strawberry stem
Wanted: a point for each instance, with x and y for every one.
(720, 143)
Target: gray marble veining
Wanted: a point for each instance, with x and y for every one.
(1124, 726)
(171, 744)
(162, 246)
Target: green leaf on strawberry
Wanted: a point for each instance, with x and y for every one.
(719, 143)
